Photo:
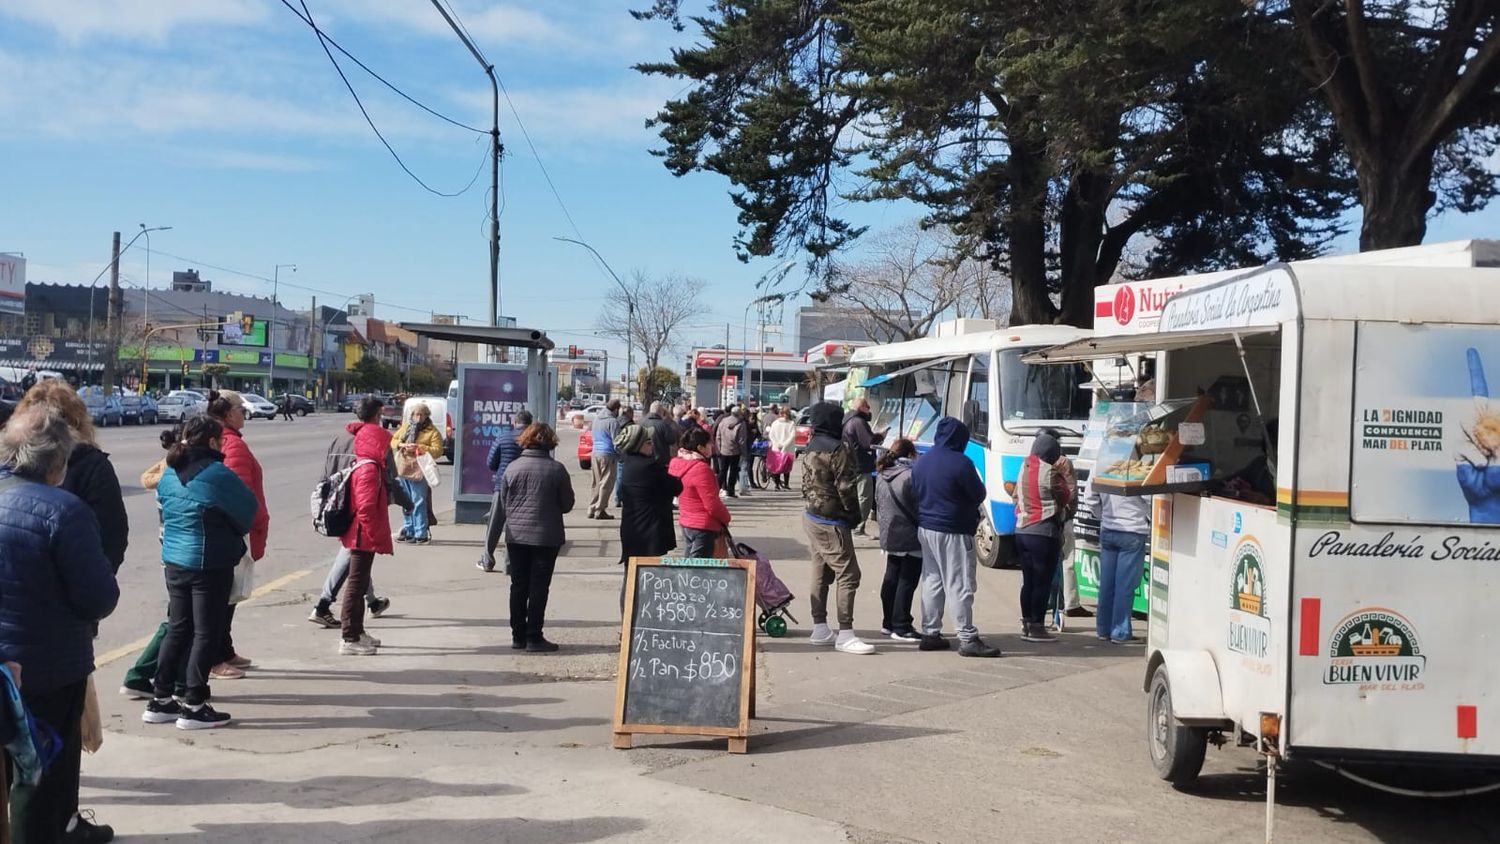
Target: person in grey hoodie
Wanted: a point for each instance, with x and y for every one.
(896, 513)
(1124, 531)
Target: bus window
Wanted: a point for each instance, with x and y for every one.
(1042, 393)
(977, 402)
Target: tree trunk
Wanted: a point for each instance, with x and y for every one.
(1395, 205)
(1026, 225)
(1081, 231)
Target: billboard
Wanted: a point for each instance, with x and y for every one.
(243, 330)
(1426, 437)
(12, 284)
(488, 396)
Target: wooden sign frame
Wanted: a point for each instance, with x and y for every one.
(738, 736)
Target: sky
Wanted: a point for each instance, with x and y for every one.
(225, 120)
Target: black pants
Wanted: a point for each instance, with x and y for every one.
(1038, 564)
(530, 583)
(197, 604)
(226, 643)
(356, 584)
(39, 813)
(494, 528)
(902, 574)
(729, 472)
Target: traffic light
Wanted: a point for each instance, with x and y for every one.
(184, 369)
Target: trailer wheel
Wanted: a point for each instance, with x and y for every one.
(1176, 751)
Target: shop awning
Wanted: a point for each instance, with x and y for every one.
(926, 364)
(1094, 348)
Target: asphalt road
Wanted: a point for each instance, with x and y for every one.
(291, 454)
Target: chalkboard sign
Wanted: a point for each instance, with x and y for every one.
(687, 649)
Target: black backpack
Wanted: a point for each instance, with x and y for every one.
(332, 512)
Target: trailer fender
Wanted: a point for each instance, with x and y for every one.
(1194, 677)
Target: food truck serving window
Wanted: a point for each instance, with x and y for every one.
(1426, 440)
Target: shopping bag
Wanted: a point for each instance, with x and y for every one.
(92, 727)
(244, 581)
(429, 470)
(778, 462)
(408, 467)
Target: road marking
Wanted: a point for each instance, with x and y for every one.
(127, 650)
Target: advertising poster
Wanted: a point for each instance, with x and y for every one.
(489, 395)
(245, 331)
(1426, 434)
(12, 284)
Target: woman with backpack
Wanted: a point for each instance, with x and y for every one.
(896, 513)
(206, 512)
(369, 532)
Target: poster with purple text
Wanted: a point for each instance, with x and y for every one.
(489, 397)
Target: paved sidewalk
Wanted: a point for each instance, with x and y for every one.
(450, 736)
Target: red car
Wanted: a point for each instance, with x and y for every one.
(804, 431)
(585, 448)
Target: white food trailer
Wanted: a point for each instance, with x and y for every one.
(1326, 534)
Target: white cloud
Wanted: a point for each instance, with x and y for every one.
(234, 159)
(79, 20)
(580, 116)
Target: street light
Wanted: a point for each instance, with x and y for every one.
(629, 317)
(146, 308)
(271, 326)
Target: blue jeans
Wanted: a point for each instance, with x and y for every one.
(415, 523)
(1121, 556)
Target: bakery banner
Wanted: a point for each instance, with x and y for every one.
(1426, 435)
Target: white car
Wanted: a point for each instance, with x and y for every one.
(580, 418)
(176, 409)
(258, 406)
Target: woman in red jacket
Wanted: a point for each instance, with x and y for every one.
(228, 409)
(369, 533)
(700, 511)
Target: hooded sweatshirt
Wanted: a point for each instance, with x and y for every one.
(830, 476)
(1044, 496)
(949, 491)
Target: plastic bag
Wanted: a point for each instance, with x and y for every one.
(408, 466)
(244, 581)
(429, 470)
(92, 726)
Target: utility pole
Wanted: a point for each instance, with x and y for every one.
(495, 151)
(312, 324)
(112, 323)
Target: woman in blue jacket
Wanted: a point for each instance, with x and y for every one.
(206, 511)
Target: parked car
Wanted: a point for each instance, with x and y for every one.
(586, 448)
(351, 401)
(301, 405)
(105, 410)
(176, 409)
(138, 410)
(197, 400)
(804, 430)
(390, 412)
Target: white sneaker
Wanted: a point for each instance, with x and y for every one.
(854, 645)
(823, 636)
(367, 639)
(360, 648)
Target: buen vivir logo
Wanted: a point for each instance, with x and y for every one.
(1377, 649)
(1249, 628)
(1124, 305)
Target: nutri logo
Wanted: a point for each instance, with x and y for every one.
(1124, 305)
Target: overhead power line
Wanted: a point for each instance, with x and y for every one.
(366, 68)
(322, 42)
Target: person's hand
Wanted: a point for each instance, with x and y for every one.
(15, 672)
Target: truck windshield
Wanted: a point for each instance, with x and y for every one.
(1032, 395)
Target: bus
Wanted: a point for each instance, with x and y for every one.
(973, 371)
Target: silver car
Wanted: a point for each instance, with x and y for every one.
(176, 408)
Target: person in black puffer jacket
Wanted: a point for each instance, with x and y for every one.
(502, 452)
(90, 476)
(538, 492)
(55, 586)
